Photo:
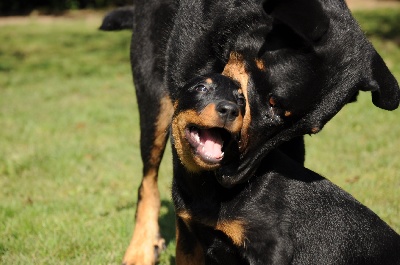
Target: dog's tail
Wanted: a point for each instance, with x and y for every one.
(118, 19)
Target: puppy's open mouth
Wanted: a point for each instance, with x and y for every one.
(208, 143)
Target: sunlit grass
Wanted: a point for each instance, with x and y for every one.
(69, 152)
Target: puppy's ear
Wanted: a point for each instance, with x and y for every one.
(305, 17)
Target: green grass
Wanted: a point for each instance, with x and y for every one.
(69, 154)
(69, 149)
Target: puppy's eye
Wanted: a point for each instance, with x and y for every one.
(201, 88)
(241, 101)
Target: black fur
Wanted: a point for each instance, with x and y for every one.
(316, 60)
(288, 214)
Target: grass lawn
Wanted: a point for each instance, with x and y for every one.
(69, 143)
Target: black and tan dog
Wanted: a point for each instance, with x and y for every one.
(298, 63)
(282, 214)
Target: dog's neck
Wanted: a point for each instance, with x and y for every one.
(205, 186)
(200, 198)
(201, 185)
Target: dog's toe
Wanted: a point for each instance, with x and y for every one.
(159, 247)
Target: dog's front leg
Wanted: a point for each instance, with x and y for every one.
(188, 248)
(146, 243)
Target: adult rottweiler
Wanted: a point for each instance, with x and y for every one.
(282, 214)
(310, 55)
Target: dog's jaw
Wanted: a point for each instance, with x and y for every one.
(207, 143)
(202, 141)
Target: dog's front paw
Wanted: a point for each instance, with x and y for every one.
(159, 247)
(145, 252)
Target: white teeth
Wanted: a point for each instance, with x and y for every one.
(210, 156)
(195, 136)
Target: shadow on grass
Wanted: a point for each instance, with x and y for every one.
(167, 221)
(167, 228)
(381, 23)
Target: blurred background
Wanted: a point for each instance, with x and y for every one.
(69, 138)
(22, 7)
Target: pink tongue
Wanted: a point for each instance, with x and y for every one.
(212, 143)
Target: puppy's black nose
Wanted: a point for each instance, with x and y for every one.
(228, 110)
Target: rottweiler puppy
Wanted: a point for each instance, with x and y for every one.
(282, 214)
(297, 61)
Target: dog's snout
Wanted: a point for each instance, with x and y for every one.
(228, 110)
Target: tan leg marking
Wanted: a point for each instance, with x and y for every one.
(185, 216)
(234, 229)
(146, 233)
(162, 126)
(235, 69)
(146, 236)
